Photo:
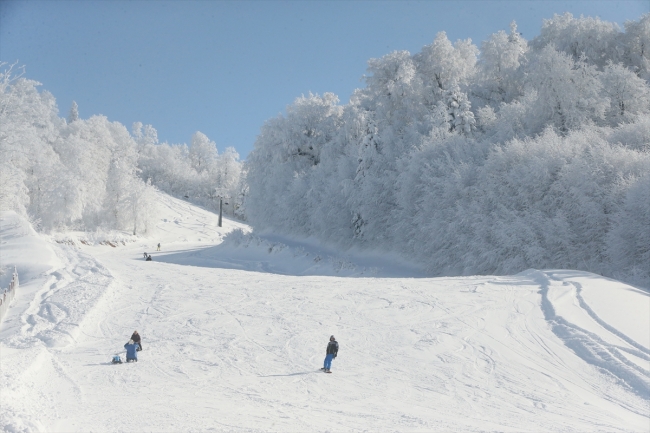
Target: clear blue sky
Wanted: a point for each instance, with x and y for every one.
(224, 67)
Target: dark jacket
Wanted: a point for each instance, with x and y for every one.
(135, 337)
(333, 348)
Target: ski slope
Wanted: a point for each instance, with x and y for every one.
(235, 326)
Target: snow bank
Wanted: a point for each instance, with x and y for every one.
(24, 248)
(282, 255)
(60, 290)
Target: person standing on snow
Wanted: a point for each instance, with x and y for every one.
(131, 351)
(158, 249)
(136, 339)
(330, 354)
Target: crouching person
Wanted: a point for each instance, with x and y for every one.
(131, 351)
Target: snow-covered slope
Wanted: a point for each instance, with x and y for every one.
(234, 332)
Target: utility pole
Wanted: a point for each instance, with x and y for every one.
(220, 209)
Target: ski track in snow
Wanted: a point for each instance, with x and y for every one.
(229, 348)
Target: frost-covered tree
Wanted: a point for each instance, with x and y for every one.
(144, 135)
(286, 151)
(454, 112)
(444, 65)
(228, 172)
(121, 177)
(591, 39)
(203, 153)
(73, 114)
(197, 173)
(628, 94)
(568, 92)
(636, 43)
(628, 242)
(533, 157)
(60, 173)
(500, 73)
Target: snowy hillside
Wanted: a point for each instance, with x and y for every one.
(235, 325)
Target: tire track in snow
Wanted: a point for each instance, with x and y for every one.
(645, 351)
(593, 349)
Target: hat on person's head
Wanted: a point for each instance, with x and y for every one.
(332, 338)
(130, 341)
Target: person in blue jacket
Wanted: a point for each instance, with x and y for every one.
(131, 352)
(331, 352)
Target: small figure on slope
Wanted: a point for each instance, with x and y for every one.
(158, 249)
(149, 258)
(136, 339)
(131, 351)
(330, 354)
(145, 256)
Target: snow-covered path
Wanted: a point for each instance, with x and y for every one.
(230, 348)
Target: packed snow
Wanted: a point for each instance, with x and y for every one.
(234, 327)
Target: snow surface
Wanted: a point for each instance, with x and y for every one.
(235, 325)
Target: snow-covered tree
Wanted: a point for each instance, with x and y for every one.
(62, 174)
(197, 173)
(591, 39)
(444, 65)
(636, 43)
(628, 94)
(501, 77)
(203, 153)
(73, 114)
(528, 158)
(285, 152)
(628, 242)
(568, 92)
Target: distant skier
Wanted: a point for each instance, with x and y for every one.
(149, 258)
(145, 256)
(136, 339)
(330, 354)
(158, 249)
(131, 351)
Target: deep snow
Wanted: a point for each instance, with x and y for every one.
(234, 332)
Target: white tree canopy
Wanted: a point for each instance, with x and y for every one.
(519, 155)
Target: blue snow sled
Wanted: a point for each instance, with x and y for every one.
(116, 360)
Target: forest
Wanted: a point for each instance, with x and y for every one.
(93, 174)
(492, 160)
(466, 159)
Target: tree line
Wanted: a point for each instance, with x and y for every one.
(518, 154)
(89, 174)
